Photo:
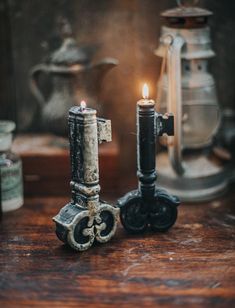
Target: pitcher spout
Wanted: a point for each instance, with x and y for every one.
(101, 68)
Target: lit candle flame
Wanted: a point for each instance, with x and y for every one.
(145, 91)
(83, 105)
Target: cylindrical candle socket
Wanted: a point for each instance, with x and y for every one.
(146, 146)
(83, 138)
(86, 217)
(148, 205)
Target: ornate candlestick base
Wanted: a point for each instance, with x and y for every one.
(79, 226)
(86, 218)
(137, 214)
(148, 205)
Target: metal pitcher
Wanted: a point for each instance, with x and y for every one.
(72, 77)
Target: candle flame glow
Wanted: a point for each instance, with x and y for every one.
(83, 105)
(145, 91)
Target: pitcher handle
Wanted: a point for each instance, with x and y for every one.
(33, 83)
(174, 100)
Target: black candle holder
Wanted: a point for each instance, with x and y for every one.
(149, 205)
(86, 218)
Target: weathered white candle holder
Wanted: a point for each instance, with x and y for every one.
(86, 218)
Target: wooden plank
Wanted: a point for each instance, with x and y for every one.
(193, 265)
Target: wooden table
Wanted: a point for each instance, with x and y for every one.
(192, 265)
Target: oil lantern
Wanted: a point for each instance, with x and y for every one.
(187, 89)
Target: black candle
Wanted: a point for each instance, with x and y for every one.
(148, 205)
(146, 136)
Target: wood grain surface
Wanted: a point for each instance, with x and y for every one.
(192, 265)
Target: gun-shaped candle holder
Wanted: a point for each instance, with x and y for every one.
(86, 218)
(148, 205)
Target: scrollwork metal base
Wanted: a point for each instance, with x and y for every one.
(136, 214)
(79, 227)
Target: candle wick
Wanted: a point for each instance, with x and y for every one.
(83, 105)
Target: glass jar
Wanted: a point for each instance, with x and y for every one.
(10, 170)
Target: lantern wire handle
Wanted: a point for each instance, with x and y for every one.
(167, 40)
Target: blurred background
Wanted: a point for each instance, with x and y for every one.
(127, 30)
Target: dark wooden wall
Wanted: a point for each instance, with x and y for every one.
(7, 79)
(125, 29)
(223, 65)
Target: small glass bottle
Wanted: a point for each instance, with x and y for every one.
(10, 170)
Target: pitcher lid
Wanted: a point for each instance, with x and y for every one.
(69, 53)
